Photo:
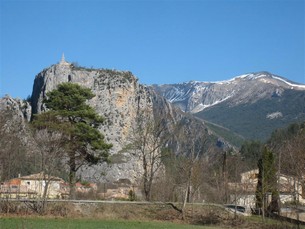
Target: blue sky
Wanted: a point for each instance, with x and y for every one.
(159, 41)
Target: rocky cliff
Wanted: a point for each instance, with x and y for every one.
(16, 142)
(15, 114)
(119, 98)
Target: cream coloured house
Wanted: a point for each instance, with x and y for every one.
(290, 189)
(32, 186)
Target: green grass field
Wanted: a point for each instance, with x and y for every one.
(66, 223)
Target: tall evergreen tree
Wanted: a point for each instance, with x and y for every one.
(70, 115)
(267, 183)
(251, 152)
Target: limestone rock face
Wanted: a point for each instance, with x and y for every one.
(20, 108)
(14, 117)
(118, 98)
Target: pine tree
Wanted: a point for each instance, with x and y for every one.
(70, 115)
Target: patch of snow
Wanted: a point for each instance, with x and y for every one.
(250, 76)
(242, 76)
(258, 76)
(201, 107)
(288, 83)
(266, 81)
(223, 81)
(274, 115)
(198, 108)
(178, 94)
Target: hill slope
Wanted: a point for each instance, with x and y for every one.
(251, 105)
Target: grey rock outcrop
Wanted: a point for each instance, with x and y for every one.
(14, 117)
(20, 109)
(118, 98)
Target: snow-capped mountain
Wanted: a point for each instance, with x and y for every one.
(195, 96)
(250, 105)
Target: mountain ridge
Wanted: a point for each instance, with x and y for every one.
(271, 98)
(215, 108)
(194, 96)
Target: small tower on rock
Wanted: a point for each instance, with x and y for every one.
(63, 61)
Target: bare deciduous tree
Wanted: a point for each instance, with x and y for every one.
(50, 157)
(188, 163)
(14, 146)
(149, 141)
(51, 151)
(295, 161)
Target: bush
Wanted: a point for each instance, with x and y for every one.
(131, 195)
(8, 207)
(60, 209)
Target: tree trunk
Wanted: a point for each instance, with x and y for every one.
(44, 196)
(224, 177)
(146, 180)
(184, 204)
(72, 178)
(146, 190)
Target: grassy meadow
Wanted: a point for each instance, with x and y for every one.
(70, 223)
(131, 216)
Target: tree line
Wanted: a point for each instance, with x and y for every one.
(67, 138)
